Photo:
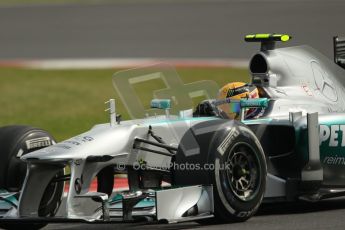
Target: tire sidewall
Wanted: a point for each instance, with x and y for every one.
(16, 168)
(231, 205)
(16, 141)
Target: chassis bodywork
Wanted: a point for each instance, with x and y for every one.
(299, 132)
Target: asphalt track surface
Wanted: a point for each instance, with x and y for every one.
(152, 28)
(301, 216)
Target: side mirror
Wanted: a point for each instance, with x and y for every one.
(254, 103)
(161, 104)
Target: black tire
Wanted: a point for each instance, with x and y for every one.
(233, 142)
(16, 141)
(13, 144)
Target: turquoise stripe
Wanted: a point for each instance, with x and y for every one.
(181, 119)
(258, 121)
(11, 198)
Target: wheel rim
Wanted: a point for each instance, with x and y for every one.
(51, 199)
(243, 171)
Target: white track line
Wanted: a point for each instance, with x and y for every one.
(120, 63)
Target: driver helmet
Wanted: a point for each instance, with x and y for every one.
(236, 91)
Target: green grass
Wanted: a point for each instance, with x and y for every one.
(68, 102)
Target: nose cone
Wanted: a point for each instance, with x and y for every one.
(101, 140)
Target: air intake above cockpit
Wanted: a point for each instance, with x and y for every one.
(258, 64)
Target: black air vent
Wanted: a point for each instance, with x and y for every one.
(258, 64)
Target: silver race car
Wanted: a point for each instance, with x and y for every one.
(184, 164)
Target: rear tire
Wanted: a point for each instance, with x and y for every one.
(16, 141)
(239, 174)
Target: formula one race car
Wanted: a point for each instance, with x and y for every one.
(191, 166)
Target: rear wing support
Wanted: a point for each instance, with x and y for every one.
(339, 51)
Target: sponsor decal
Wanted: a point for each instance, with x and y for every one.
(227, 141)
(20, 153)
(72, 142)
(75, 141)
(244, 213)
(307, 90)
(336, 160)
(332, 135)
(62, 146)
(38, 143)
(332, 141)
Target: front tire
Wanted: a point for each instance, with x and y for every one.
(238, 174)
(240, 185)
(16, 141)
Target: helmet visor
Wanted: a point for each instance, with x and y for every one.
(234, 107)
